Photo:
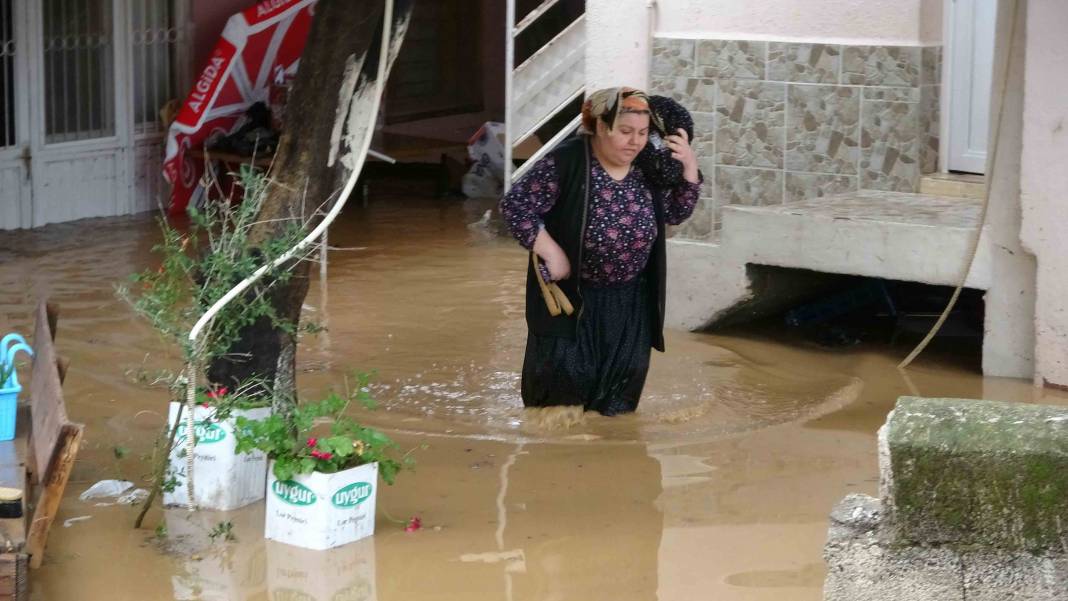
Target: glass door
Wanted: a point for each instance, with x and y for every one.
(80, 133)
(79, 66)
(15, 164)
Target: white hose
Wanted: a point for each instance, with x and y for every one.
(974, 248)
(190, 443)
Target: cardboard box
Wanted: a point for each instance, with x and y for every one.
(223, 480)
(322, 511)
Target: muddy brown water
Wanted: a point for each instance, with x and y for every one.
(718, 488)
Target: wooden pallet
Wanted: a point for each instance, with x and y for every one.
(41, 456)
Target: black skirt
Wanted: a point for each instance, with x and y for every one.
(603, 369)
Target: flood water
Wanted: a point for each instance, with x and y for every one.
(718, 488)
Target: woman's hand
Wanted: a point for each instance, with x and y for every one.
(555, 258)
(682, 152)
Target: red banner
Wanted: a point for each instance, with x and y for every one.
(259, 45)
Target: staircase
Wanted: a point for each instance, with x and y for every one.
(543, 86)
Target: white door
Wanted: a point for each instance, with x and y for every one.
(80, 126)
(15, 188)
(970, 66)
(82, 83)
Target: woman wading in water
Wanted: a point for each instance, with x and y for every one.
(595, 227)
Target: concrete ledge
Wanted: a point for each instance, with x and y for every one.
(890, 235)
(861, 567)
(976, 473)
(893, 235)
(701, 284)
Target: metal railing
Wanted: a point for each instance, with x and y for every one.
(78, 50)
(156, 31)
(547, 82)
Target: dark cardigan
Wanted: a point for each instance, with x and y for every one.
(566, 223)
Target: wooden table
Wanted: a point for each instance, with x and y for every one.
(42, 453)
(417, 158)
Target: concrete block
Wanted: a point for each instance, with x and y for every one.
(859, 568)
(862, 567)
(976, 473)
(1018, 577)
(701, 284)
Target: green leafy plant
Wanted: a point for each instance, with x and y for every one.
(223, 530)
(318, 437)
(6, 370)
(200, 264)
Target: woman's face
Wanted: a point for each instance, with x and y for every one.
(622, 144)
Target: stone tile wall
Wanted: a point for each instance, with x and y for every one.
(782, 121)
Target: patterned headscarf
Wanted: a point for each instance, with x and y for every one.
(605, 105)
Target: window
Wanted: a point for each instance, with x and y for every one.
(79, 60)
(7, 75)
(155, 35)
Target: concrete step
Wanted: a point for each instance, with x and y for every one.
(891, 235)
(953, 185)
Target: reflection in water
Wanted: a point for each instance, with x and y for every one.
(606, 496)
(719, 488)
(250, 568)
(345, 573)
(212, 568)
(516, 560)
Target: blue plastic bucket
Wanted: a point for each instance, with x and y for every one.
(9, 402)
(9, 390)
(9, 345)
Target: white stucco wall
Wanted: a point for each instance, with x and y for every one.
(617, 43)
(1044, 181)
(891, 22)
(1009, 343)
(618, 30)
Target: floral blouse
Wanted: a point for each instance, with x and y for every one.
(620, 224)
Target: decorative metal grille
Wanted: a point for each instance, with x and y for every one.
(156, 34)
(79, 70)
(8, 134)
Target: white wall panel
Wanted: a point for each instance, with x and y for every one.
(77, 187)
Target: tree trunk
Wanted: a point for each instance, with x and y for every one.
(324, 129)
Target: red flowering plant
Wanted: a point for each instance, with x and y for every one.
(208, 397)
(249, 395)
(319, 437)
